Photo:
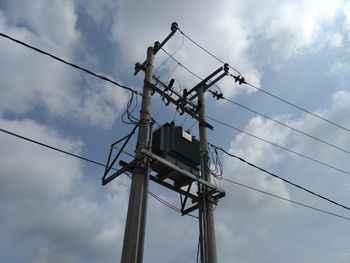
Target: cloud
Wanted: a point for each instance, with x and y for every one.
(339, 68)
(101, 11)
(261, 154)
(49, 212)
(249, 42)
(60, 19)
(46, 178)
(246, 219)
(43, 82)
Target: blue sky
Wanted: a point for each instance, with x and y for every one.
(53, 207)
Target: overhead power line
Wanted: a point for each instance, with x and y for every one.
(298, 107)
(69, 63)
(208, 52)
(283, 124)
(152, 194)
(264, 91)
(285, 199)
(281, 147)
(261, 139)
(254, 111)
(283, 179)
(164, 202)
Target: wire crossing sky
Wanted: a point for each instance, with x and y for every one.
(53, 207)
(228, 180)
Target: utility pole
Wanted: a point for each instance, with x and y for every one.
(206, 207)
(169, 174)
(136, 218)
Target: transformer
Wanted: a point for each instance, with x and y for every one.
(179, 147)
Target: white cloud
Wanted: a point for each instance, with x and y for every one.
(45, 177)
(49, 212)
(101, 11)
(340, 68)
(44, 82)
(247, 219)
(58, 28)
(61, 217)
(260, 154)
(276, 32)
(336, 40)
(347, 13)
(102, 106)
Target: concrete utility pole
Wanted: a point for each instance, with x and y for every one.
(207, 208)
(208, 194)
(136, 218)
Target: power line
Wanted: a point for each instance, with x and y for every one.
(285, 199)
(298, 107)
(207, 51)
(283, 179)
(180, 64)
(261, 139)
(220, 96)
(281, 147)
(69, 63)
(87, 160)
(264, 91)
(51, 147)
(283, 124)
(254, 136)
(152, 194)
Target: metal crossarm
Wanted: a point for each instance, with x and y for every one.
(212, 188)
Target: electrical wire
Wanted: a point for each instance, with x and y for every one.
(285, 199)
(127, 116)
(300, 108)
(266, 141)
(282, 179)
(207, 51)
(180, 64)
(281, 147)
(103, 165)
(262, 90)
(173, 53)
(216, 169)
(220, 96)
(281, 123)
(69, 63)
(254, 136)
(87, 160)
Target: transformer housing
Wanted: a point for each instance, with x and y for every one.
(177, 146)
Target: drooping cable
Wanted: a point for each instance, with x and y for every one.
(180, 64)
(300, 108)
(220, 96)
(214, 165)
(127, 116)
(279, 146)
(103, 165)
(69, 63)
(282, 179)
(87, 160)
(241, 80)
(207, 51)
(173, 53)
(285, 199)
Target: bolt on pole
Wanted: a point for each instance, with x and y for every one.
(133, 243)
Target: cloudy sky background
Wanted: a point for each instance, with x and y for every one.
(52, 206)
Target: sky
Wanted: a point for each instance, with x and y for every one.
(53, 207)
